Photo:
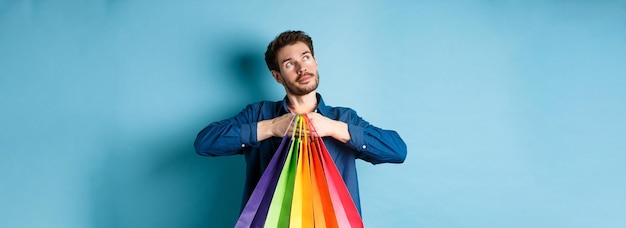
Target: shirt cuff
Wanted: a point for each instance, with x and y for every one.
(248, 135)
(357, 137)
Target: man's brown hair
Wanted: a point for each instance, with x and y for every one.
(282, 40)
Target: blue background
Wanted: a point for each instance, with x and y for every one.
(513, 111)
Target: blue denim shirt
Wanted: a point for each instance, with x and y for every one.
(238, 135)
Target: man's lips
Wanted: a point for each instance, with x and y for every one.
(305, 77)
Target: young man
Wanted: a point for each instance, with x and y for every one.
(256, 132)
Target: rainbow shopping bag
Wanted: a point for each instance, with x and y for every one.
(301, 187)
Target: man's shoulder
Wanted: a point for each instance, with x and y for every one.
(265, 104)
(338, 110)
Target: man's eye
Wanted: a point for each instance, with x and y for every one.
(306, 57)
(289, 64)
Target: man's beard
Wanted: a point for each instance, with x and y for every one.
(294, 89)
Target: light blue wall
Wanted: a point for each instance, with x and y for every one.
(513, 111)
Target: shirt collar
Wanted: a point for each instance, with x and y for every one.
(321, 106)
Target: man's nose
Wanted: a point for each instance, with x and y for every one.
(300, 68)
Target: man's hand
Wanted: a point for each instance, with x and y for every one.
(328, 127)
(274, 127)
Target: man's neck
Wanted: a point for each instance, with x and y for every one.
(302, 104)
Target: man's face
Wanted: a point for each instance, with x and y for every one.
(298, 69)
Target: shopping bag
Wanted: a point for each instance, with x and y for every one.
(301, 187)
(256, 208)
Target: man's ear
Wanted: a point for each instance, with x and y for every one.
(277, 77)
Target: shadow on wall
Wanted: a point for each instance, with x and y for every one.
(161, 181)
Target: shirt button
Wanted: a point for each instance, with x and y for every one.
(243, 145)
(364, 146)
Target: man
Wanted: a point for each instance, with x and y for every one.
(256, 131)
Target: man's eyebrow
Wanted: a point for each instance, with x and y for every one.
(287, 59)
(303, 53)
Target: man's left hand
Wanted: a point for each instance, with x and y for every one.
(328, 127)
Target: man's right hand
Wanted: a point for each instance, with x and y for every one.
(274, 127)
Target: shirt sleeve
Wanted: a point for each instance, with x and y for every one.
(230, 136)
(374, 144)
